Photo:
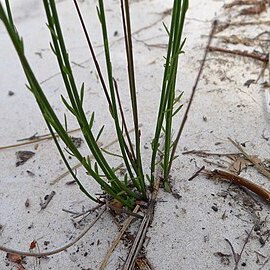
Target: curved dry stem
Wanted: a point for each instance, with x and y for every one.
(58, 250)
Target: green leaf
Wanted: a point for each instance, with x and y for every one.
(82, 93)
(65, 119)
(9, 14)
(100, 132)
(166, 29)
(148, 178)
(52, 31)
(68, 106)
(22, 44)
(167, 187)
(88, 160)
(177, 99)
(66, 70)
(177, 110)
(110, 153)
(92, 118)
(98, 13)
(126, 179)
(182, 44)
(52, 48)
(70, 153)
(96, 168)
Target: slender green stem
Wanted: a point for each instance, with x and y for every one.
(129, 150)
(168, 87)
(120, 136)
(68, 78)
(132, 87)
(92, 52)
(118, 189)
(131, 156)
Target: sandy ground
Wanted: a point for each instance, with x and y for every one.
(188, 232)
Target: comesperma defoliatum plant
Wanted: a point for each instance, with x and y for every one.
(134, 184)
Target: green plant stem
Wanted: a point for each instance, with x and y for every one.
(168, 87)
(117, 186)
(122, 143)
(60, 49)
(132, 87)
(129, 150)
(92, 52)
(181, 128)
(100, 170)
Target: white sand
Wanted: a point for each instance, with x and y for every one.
(185, 234)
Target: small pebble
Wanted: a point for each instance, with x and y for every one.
(46, 243)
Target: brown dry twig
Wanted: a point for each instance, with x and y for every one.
(142, 263)
(245, 2)
(193, 91)
(254, 10)
(203, 153)
(258, 189)
(138, 242)
(237, 256)
(117, 239)
(223, 25)
(148, 217)
(196, 173)
(58, 250)
(33, 139)
(263, 57)
(250, 42)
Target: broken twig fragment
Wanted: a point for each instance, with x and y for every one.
(196, 173)
(47, 199)
(258, 189)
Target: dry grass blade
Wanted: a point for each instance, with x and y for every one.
(35, 140)
(138, 242)
(66, 173)
(201, 153)
(185, 116)
(117, 239)
(237, 257)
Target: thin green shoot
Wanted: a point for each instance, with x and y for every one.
(100, 169)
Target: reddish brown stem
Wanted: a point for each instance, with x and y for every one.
(263, 57)
(259, 190)
(245, 2)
